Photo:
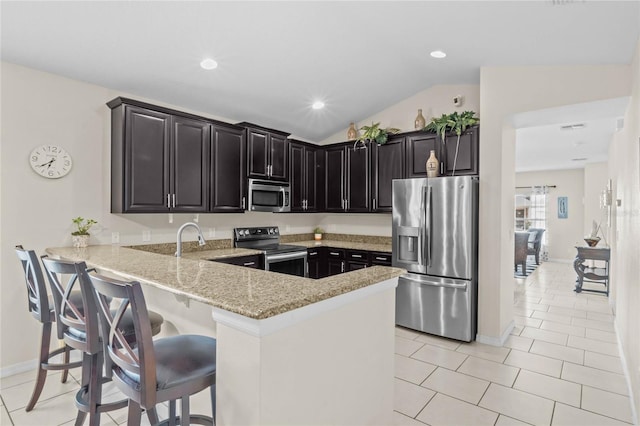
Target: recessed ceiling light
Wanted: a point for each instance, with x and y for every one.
(572, 126)
(318, 105)
(439, 54)
(209, 64)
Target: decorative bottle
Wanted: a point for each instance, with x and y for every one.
(352, 133)
(433, 165)
(420, 122)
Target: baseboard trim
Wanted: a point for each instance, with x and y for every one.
(627, 376)
(18, 368)
(497, 341)
(561, 260)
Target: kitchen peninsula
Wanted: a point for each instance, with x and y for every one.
(291, 350)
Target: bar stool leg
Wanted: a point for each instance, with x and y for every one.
(185, 418)
(65, 372)
(45, 341)
(134, 414)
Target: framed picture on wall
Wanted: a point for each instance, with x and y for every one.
(563, 207)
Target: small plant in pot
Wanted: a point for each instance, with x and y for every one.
(317, 233)
(80, 237)
(375, 134)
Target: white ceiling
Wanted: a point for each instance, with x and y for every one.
(276, 58)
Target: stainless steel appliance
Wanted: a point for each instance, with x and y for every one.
(283, 258)
(267, 196)
(435, 238)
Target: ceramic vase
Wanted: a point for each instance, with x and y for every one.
(419, 122)
(80, 241)
(352, 133)
(433, 165)
(317, 237)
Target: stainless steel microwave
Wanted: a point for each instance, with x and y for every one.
(267, 196)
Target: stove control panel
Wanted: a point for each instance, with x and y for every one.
(256, 233)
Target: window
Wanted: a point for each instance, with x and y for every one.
(531, 209)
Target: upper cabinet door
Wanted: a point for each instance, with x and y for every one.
(297, 168)
(334, 178)
(418, 149)
(467, 159)
(257, 154)
(190, 165)
(387, 163)
(228, 171)
(279, 157)
(358, 180)
(314, 179)
(142, 156)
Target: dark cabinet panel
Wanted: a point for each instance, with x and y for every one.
(358, 180)
(467, 153)
(354, 266)
(418, 149)
(142, 154)
(387, 163)
(317, 261)
(335, 267)
(190, 165)
(334, 178)
(267, 153)
(306, 172)
(255, 261)
(228, 177)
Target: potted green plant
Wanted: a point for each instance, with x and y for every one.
(454, 122)
(375, 134)
(317, 233)
(80, 236)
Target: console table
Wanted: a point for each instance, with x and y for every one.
(591, 274)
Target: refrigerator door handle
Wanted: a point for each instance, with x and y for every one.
(421, 231)
(428, 226)
(435, 283)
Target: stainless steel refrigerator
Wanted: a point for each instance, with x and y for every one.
(435, 238)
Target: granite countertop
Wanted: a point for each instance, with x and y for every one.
(344, 244)
(252, 293)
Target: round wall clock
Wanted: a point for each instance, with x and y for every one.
(50, 161)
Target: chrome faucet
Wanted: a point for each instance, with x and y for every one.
(201, 240)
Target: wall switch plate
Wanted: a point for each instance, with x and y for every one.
(146, 236)
(115, 237)
(212, 233)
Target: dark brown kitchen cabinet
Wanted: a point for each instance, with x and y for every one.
(335, 261)
(228, 171)
(467, 161)
(418, 148)
(356, 259)
(347, 187)
(255, 261)
(267, 153)
(306, 177)
(159, 162)
(379, 258)
(335, 175)
(317, 262)
(387, 163)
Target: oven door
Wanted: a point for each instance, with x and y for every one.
(288, 263)
(269, 196)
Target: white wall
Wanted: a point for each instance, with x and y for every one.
(596, 176)
(434, 102)
(624, 170)
(562, 235)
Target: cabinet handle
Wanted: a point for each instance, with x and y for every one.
(313, 253)
(342, 266)
(333, 253)
(174, 200)
(249, 263)
(381, 258)
(168, 201)
(374, 203)
(356, 255)
(442, 168)
(243, 202)
(269, 170)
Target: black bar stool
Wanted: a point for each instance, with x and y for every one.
(166, 369)
(79, 327)
(41, 308)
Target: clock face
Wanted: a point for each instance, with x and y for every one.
(50, 161)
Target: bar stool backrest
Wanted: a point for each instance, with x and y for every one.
(133, 368)
(78, 330)
(37, 297)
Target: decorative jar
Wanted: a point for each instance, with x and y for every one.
(433, 165)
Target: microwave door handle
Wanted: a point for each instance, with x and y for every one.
(284, 197)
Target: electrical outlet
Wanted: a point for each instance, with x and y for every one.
(115, 237)
(212, 232)
(146, 236)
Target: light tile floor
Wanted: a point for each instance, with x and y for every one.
(560, 366)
